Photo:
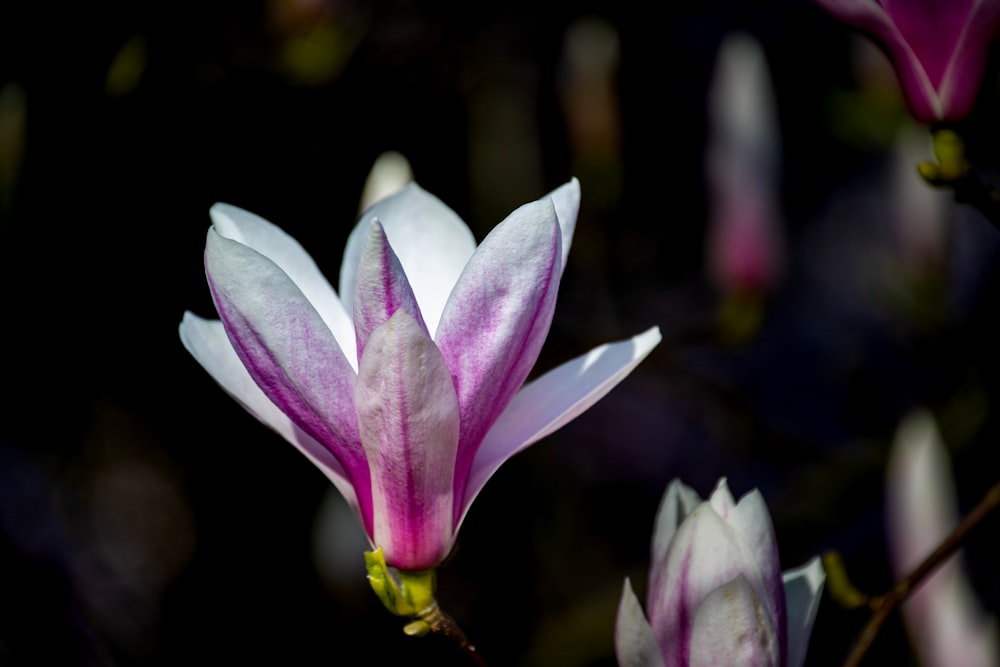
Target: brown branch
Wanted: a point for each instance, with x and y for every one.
(882, 606)
(436, 621)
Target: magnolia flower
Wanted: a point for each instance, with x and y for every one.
(406, 389)
(938, 47)
(745, 241)
(716, 592)
(942, 615)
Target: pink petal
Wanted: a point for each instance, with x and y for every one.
(275, 244)
(289, 352)
(381, 287)
(550, 402)
(932, 29)
(963, 77)
(940, 75)
(744, 243)
(496, 320)
(408, 415)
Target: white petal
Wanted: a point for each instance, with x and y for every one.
(430, 240)
(803, 591)
(553, 400)
(390, 173)
(566, 199)
(704, 554)
(751, 522)
(635, 643)
(722, 500)
(733, 628)
(272, 242)
(679, 501)
(207, 342)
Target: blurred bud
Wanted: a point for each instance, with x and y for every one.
(942, 616)
(745, 245)
(589, 100)
(716, 591)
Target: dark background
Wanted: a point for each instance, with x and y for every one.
(145, 519)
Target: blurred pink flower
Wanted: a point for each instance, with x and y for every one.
(745, 243)
(406, 389)
(938, 48)
(716, 592)
(942, 616)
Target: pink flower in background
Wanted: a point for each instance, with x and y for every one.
(938, 47)
(406, 389)
(716, 592)
(942, 616)
(745, 237)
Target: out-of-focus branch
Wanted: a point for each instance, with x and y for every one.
(883, 605)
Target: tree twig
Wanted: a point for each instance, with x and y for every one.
(883, 605)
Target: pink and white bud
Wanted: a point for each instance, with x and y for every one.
(716, 592)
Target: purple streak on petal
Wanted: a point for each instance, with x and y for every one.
(207, 342)
(275, 244)
(409, 421)
(704, 555)
(496, 320)
(289, 351)
(548, 403)
(635, 642)
(430, 240)
(381, 288)
(732, 627)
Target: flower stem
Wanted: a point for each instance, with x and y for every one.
(434, 620)
(883, 605)
(953, 170)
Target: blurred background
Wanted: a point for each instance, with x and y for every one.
(146, 519)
